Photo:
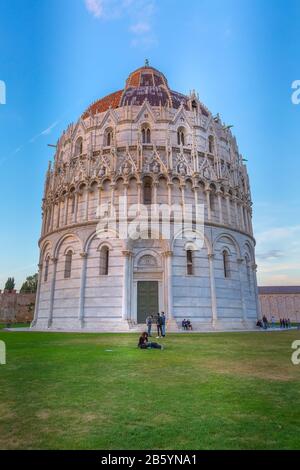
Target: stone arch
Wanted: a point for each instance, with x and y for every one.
(68, 249)
(181, 135)
(46, 248)
(78, 148)
(162, 189)
(146, 133)
(147, 252)
(108, 136)
(104, 240)
(231, 238)
(248, 249)
(62, 239)
(200, 236)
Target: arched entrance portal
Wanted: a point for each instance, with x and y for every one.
(148, 280)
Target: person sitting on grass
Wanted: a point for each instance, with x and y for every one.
(144, 343)
(189, 325)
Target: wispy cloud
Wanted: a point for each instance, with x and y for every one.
(140, 28)
(43, 133)
(95, 7)
(278, 255)
(138, 13)
(46, 131)
(271, 254)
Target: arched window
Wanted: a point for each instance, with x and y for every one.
(147, 191)
(226, 267)
(194, 105)
(189, 262)
(104, 261)
(108, 140)
(46, 269)
(146, 135)
(78, 147)
(68, 264)
(211, 146)
(180, 137)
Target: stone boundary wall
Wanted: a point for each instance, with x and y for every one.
(280, 306)
(16, 307)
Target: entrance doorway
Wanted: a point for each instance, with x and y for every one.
(147, 299)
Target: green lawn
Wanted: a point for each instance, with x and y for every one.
(14, 325)
(204, 391)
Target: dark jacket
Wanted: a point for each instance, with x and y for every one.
(142, 342)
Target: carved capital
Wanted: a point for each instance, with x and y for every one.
(84, 254)
(127, 253)
(168, 254)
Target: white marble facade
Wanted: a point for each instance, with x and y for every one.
(146, 143)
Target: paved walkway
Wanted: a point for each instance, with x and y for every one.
(33, 330)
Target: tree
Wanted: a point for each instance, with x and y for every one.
(30, 285)
(10, 284)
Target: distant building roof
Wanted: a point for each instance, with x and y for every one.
(279, 290)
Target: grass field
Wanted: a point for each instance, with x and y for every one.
(204, 391)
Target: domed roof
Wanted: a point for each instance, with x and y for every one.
(144, 83)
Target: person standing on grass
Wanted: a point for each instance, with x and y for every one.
(159, 326)
(265, 322)
(149, 321)
(163, 323)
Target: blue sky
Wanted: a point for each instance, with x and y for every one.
(57, 56)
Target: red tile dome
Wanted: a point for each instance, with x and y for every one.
(144, 83)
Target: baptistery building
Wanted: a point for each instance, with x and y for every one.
(103, 265)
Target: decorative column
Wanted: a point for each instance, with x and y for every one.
(52, 291)
(219, 195)
(242, 217)
(52, 216)
(244, 308)
(207, 192)
(126, 284)
(75, 208)
(37, 298)
(236, 213)
(182, 188)
(112, 199)
(170, 184)
(84, 257)
(86, 214)
(58, 213)
(171, 322)
(228, 209)
(66, 210)
(139, 191)
(155, 186)
(254, 269)
(214, 307)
